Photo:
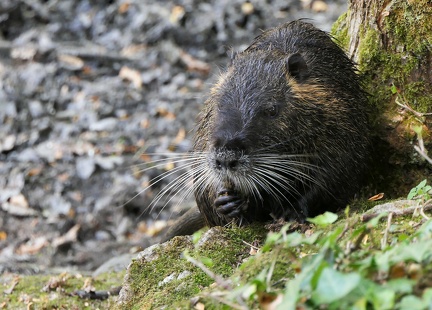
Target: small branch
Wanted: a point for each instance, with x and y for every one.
(251, 245)
(396, 212)
(423, 154)
(421, 211)
(386, 231)
(406, 106)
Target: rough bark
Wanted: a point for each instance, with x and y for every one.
(392, 43)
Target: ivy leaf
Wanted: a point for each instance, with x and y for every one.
(414, 251)
(412, 302)
(334, 285)
(383, 299)
(324, 219)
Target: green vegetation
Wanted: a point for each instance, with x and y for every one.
(55, 291)
(343, 263)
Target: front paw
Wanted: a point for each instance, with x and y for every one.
(228, 203)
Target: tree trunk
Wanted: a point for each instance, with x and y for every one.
(391, 40)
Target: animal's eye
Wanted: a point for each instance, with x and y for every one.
(272, 111)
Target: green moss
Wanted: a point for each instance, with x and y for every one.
(29, 290)
(393, 54)
(339, 31)
(155, 279)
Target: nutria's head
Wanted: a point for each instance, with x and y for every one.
(255, 134)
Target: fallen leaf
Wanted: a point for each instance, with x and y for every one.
(319, 6)
(124, 7)
(247, 8)
(70, 236)
(131, 75)
(32, 246)
(88, 285)
(18, 205)
(7, 143)
(177, 14)
(3, 235)
(56, 282)
(71, 62)
(156, 228)
(398, 271)
(23, 52)
(34, 171)
(270, 301)
(181, 135)
(162, 112)
(376, 197)
(194, 64)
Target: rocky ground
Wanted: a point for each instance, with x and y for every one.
(90, 93)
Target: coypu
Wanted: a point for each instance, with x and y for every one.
(283, 133)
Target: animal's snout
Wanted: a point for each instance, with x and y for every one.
(222, 162)
(227, 159)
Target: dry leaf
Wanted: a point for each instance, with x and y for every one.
(145, 123)
(319, 6)
(32, 246)
(3, 235)
(124, 7)
(88, 285)
(7, 143)
(71, 62)
(177, 14)
(376, 197)
(34, 171)
(162, 112)
(18, 205)
(132, 76)
(397, 271)
(56, 282)
(270, 301)
(156, 228)
(70, 236)
(181, 135)
(247, 8)
(194, 64)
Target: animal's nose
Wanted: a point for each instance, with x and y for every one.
(226, 163)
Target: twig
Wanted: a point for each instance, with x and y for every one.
(368, 216)
(251, 245)
(347, 226)
(423, 154)
(386, 231)
(358, 241)
(424, 205)
(406, 106)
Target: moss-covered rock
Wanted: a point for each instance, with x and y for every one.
(161, 276)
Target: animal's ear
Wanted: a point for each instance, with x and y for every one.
(297, 67)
